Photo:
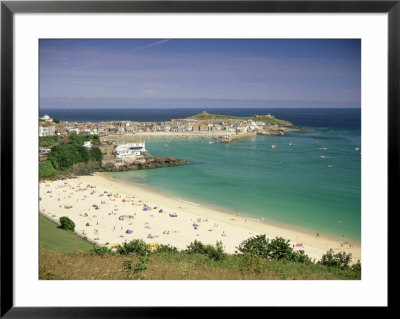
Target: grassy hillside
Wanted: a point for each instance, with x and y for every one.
(64, 255)
(259, 118)
(55, 239)
(180, 266)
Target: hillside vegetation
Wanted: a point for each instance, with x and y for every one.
(257, 118)
(64, 255)
(52, 238)
(68, 155)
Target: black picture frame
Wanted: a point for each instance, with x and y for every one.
(9, 8)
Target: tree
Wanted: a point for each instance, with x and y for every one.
(66, 223)
(96, 155)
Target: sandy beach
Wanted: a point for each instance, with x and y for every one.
(109, 213)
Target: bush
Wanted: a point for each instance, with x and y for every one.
(251, 263)
(67, 224)
(46, 170)
(301, 257)
(257, 245)
(340, 260)
(101, 251)
(279, 248)
(142, 264)
(197, 247)
(56, 120)
(63, 156)
(356, 267)
(127, 265)
(217, 252)
(276, 249)
(137, 246)
(46, 141)
(166, 249)
(95, 155)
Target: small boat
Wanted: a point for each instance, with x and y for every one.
(165, 145)
(290, 144)
(274, 146)
(357, 149)
(210, 142)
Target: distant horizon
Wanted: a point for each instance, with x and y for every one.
(190, 108)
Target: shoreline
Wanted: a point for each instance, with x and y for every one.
(129, 199)
(232, 214)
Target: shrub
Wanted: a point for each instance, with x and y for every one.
(217, 252)
(127, 265)
(340, 260)
(279, 248)
(276, 249)
(56, 120)
(257, 245)
(142, 264)
(301, 257)
(63, 156)
(251, 263)
(66, 223)
(136, 246)
(197, 247)
(47, 141)
(356, 267)
(46, 169)
(166, 249)
(101, 251)
(96, 155)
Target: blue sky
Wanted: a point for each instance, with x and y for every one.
(199, 73)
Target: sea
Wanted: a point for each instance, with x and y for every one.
(309, 181)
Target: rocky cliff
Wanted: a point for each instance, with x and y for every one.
(146, 162)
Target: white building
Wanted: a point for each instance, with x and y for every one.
(87, 144)
(129, 150)
(48, 130)
(46, 118)
(72, 129)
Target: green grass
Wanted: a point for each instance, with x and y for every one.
(46, 170)
(48, 141)
(260, 118)
(52, 238)
(64, 255)
(180, 266)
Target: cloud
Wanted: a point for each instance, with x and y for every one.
(150, 45)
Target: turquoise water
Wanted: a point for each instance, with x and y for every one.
(290, 185)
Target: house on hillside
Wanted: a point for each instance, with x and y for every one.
(129, 150)
(47, 130)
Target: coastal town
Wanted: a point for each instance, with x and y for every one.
(198, 124)
(131, 153)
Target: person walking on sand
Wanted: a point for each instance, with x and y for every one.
(317, 234)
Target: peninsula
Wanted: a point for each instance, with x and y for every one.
(223, 127)
(99, 149)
